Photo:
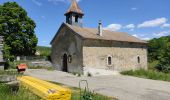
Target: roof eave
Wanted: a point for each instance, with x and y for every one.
(74, 12)
(57, 33)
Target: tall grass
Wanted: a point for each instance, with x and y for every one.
(7, 93)
(149, 74)
(76, 96)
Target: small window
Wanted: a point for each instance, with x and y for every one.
(109, 60)
(69, 59)
(138, 59)
(76, 18)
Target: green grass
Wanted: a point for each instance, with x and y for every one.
(6, 93)
(149, 74)
(76, 96)
(9, 72)
(151, 65)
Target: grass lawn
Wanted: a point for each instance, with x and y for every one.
(6, 93)
(149, 74)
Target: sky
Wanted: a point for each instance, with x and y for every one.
(144, 19)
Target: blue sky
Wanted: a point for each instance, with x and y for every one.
(144, 19)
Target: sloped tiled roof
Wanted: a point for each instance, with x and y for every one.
(74, 8)
(91, 33)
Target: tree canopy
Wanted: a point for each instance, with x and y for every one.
(159, 49)
(18, 31)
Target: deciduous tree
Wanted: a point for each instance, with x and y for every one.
(18, 31)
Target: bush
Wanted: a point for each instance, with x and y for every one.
(9, 65)
(152, 65)
(163, 68)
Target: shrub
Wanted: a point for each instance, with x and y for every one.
(163, 67)
(89, 74)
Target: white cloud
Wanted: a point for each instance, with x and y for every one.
(37, 2)
(153, 23)
(145, 38)
(64, 1)
(135, 35)
(130, 27)
(163, 33)
(134, 8)
(113, 27)
(141, 37)
(165, 25)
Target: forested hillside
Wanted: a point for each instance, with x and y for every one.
(44, 51)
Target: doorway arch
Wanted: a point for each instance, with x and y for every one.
(65, 63)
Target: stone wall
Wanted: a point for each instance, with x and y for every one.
(124, 55)
(40, 63)
(67, 42)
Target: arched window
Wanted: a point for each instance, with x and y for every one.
(76, 18)
(138, 59)
(109, 60)
(69, 59)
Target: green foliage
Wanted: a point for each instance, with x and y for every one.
(44, 51)
(13, 64)
(6, 53)
(7, 93)
(95, 96)
(76, 93)
(150, 74)
(163, 67)
(159, 50)
(24, 94)
(9, 72)
(152, 65)
(87, 95)
(18, 31)
(89, 74)
(77, 74)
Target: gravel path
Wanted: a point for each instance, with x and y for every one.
(121, 87)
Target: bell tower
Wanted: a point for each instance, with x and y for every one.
(74, 14)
